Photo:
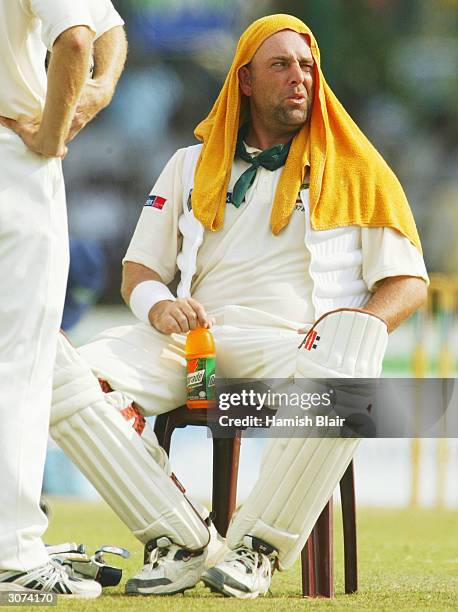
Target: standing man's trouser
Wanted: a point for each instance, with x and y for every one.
(33, 273)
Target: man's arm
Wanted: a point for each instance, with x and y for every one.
(396, 298)
(67, 73)
(133, 274)
(109, 54)
(166, 316)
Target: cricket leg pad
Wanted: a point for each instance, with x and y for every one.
(91, 430)
(297, 479)
(343, 343)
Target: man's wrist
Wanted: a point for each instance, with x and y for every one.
(145, 296)
(106, 90)
(50, 145)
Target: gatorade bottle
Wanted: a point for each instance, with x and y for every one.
(200, 356)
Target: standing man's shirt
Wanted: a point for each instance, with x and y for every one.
(28, 28)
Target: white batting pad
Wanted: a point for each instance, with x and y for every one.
(299, 475)
(88, 426)
(297, 479)
(343, 343)
(148, 437)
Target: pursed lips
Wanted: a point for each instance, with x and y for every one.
(297, 97)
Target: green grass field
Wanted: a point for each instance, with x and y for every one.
(408, 559)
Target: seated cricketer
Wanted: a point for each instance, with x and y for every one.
(283, 216)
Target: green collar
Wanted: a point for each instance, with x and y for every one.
(271, 159)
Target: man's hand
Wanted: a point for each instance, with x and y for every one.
(67, 71)
(179, 317)
(95, 96)
(167, 316)
(34, 139)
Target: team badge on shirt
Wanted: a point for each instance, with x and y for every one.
(155, 202)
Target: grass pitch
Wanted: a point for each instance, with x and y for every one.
(408, 560)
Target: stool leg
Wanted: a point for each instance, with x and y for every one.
(308, 569)
(324, 558)
(347, 495)
(226, 452)
(163, 430)
(317, 558)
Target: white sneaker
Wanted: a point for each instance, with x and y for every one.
(216, 549)
(245, 572)
(49, 578)
(170, 570)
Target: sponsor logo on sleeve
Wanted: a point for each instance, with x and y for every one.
(156, 201)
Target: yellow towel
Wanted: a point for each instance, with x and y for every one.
(350, 183)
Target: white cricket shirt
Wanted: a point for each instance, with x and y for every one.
(244, 264)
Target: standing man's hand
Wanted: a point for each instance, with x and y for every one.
(94, 97)
(179, 316)
(32, 136)
(67, 72)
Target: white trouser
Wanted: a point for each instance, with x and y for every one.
(249, 344)
(34, 265)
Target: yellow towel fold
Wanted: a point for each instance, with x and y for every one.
(350, 183)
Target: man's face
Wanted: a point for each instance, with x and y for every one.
(279, 82)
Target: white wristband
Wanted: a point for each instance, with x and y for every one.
(145, 295)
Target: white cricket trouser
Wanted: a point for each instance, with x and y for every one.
(249, 344)
(34, 266)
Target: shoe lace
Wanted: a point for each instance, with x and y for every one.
(156, 555)
(54, 568)
(52, 573)
(246, 557)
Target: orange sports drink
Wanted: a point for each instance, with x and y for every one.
(200, 356)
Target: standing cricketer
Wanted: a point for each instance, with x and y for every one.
(39, 114)
(284, 218)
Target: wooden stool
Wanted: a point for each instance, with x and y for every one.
(317, 555)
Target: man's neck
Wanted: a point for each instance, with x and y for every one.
(263, 139)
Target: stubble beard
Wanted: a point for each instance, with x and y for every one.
(291, 119)
(281, 120)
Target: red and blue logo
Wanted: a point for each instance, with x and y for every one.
(155, 202)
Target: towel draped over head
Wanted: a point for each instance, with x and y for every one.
(350, 183)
